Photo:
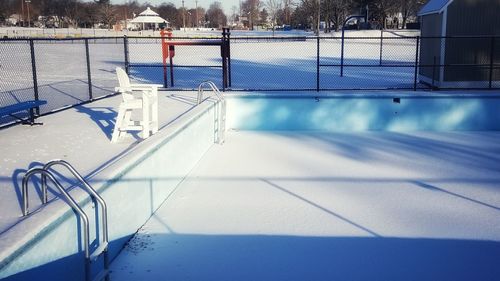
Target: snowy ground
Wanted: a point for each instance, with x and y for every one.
(329, 206)
(89, 32)
(80, 135)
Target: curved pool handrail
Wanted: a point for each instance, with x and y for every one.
(221, 128)
(87, 186)
(65, 194)
(214, 88)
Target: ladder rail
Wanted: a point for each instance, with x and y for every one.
(65, 194)
(214, 88)
(46, 173)
(222, 116)
(87, 186)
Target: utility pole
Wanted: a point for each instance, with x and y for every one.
(196, 13)
(319, 10)
(28, 7)
(183, 16)
(22, 13)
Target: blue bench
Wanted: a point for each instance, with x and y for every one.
(25, 105)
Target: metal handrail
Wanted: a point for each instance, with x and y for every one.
(87, 186)
(45, 173)
(222, 115)
(65, 194)
(212, 86)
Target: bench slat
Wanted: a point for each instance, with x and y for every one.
(25, 105)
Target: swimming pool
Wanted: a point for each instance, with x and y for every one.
(328, 206)
(301, 180)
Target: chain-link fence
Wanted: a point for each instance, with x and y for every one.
(63, 72)
(184, 64)
(67, 72)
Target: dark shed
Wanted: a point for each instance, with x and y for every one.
(465, 52)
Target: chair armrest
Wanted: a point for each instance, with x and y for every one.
(145, 86)
(122, 89)
(132, 89)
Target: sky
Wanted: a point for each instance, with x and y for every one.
(226, 4)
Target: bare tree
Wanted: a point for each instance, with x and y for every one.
(215, 15)
(7, 8)
(169, 12)
(263, 15)
(409, 8)
(273, 7)
(287, 10)
(384, 8)
(251, 10)
(108, 16)
(234, 14)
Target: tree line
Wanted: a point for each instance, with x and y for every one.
(295, 13)
(332, 13)
(78, 13)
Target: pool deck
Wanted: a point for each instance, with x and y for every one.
(329, 206)
(79, 135)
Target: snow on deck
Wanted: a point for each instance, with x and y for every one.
(80, 135)
(329, 206)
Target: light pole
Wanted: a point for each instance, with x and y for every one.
(250, 20)
(21, 17)
(196, 13)
(183, 16)
(28, 8)
(319, 11)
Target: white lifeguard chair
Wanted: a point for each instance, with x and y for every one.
(136, 97)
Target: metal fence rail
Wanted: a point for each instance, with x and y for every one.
(71, 71)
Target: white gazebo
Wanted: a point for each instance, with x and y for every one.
(149, 17)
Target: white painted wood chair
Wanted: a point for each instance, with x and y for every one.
(136, 97)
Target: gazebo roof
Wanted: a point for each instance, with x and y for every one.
(148, 12)
(148, 16)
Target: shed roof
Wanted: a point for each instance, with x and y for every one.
(434, 6)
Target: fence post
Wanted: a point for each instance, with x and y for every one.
(89, 78)
(317, 64)
(125, 50)
(342, 55)
(229, 56)
(224, 59)
(492, 54)
(381, 44)
(433, 72)
(33, 69)
(416, 64)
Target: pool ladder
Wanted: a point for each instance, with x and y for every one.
(221, 117)
(102, 249)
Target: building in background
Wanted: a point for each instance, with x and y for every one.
(149, 19)
(445, 59)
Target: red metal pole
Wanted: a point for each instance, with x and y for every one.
(164, 51)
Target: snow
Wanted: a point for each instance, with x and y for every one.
(329, 206)
(271, 206)
(80, 135)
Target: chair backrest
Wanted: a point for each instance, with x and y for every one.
(124, 82)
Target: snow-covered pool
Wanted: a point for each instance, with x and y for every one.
(378, 186)
(334, 187)
(329, 206)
